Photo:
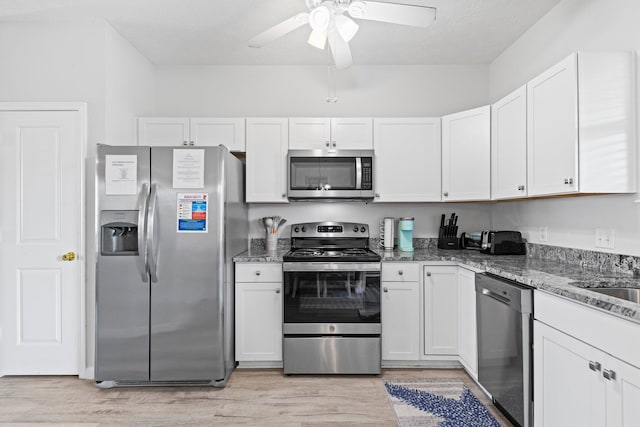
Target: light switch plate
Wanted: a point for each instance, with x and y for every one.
(542, 234)
(605, 238)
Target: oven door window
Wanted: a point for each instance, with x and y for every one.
(332, 297)
(311, 173)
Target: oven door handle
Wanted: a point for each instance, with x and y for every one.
(324, 267)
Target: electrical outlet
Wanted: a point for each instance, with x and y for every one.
(542, 234)
(605, 238)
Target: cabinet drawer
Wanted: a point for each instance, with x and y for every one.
(400, 272)
(259, 272)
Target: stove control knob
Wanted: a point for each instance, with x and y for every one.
(304, 229)
(363, 229)
(296, 229)
(355, 228)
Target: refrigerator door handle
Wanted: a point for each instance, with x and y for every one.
(141, 205)
(151, 226)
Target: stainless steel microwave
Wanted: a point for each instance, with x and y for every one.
(342, 174)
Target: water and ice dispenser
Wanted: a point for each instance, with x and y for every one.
(119, 232)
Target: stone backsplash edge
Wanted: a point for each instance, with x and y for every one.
(618, 263)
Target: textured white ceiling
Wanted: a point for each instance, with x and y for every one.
(215, 32)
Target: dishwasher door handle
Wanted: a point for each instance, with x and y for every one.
(495, 296)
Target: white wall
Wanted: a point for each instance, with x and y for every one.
(81, 61)
(287, 91)
(302, 90)
(473, 216)
(128, 89)
(572, 25)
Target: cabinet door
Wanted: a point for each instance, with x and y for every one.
(400, 320)
(466, 159)
(467, 335)
(440, 308)
(211, 132)
(352, 133)
(566, 391)
(407, 160)
(258, 322)
(163, 131)
(623, 393)
(309, 133)
(552, 130)
(267, 140)
(509, 146)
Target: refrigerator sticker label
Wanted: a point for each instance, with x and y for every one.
(188, 168)
(193, 209)
(121, 174)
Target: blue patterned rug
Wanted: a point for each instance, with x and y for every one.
(441, 402)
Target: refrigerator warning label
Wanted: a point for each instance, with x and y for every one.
(193, 209)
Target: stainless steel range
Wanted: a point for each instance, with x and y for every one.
(331, 300)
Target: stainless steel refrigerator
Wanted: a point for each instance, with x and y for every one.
(169, 221)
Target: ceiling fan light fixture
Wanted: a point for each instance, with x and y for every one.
(319, 18)
(346, 27)
(356, 9)
(318, 39)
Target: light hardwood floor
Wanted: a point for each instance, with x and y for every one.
(252, 397)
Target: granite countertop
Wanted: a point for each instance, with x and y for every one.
(566, 280)
(261, 255)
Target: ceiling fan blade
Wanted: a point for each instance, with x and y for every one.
(339, 49)
(415, 16)
(279, 30)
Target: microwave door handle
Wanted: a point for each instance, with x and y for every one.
(358, 173)
(142, 258)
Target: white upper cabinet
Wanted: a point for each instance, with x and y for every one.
(266, 162)
(213, 131)
(329, 134)
(196, 131)
(352, 133)
(163, 131)
(581, 126)
(509, 146)
(466, 158)
(407, 159)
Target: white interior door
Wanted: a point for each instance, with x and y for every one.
(40, 221)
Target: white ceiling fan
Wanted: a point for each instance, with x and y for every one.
(328, 21)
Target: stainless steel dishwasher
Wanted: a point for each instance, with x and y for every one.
(504, 315)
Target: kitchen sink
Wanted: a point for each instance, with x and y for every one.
(629, 294)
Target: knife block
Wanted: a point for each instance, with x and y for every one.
(448, 242)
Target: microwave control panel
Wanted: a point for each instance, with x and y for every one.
(367, 167)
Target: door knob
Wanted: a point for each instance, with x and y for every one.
(69, 256)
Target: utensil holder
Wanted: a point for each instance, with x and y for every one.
(271, 242)
(446, 241)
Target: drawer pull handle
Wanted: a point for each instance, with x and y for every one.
(428, 274)
(277, 290)
(385, 289)
(609, 374)
(400, 273)
(258, 273)
(594, 366)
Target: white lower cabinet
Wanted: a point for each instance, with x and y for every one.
(258, 312)
(579, 384)
(400, 311)
(440, 305)
(467, 335)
